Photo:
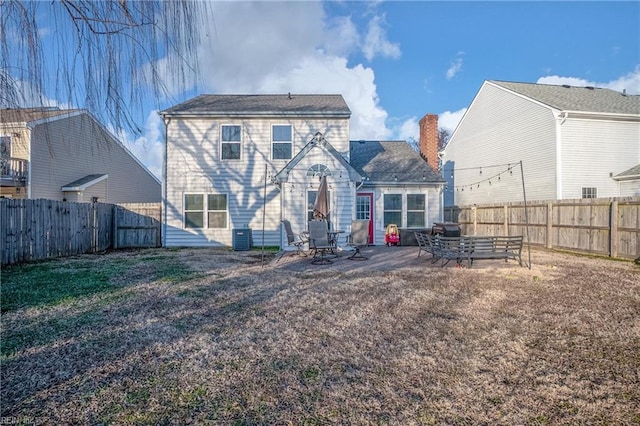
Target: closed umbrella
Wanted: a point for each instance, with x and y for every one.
(321, 207)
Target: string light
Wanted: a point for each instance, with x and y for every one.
(490, 179)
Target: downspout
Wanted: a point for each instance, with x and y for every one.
(166, 121)
(29, 168)
(563, 115)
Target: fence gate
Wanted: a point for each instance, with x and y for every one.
(136, 225)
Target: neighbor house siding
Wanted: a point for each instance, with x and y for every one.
(630, 188)
(64, 150)
(99, 190)
(501, 128)
(195, 166)
(603, 148)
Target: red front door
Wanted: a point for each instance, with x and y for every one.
(364, 210)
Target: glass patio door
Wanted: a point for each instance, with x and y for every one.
(364, 210)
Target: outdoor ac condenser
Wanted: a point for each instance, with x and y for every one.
(242, 239)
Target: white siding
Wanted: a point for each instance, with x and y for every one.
(630, 188)
(595, 150)
(194, 166)
(99, 190)
(68, 149)
(501, 128)
(432, 213)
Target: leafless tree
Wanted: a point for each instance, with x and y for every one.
(106, 56)
(443, 138)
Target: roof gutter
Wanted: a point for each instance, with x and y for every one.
(259, 114)
(598, 115)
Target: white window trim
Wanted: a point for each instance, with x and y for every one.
(239, 142)
(205, 210)
(402, 210)
(290, 142)
(424, 212)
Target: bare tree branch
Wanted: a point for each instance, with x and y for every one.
(110, 57)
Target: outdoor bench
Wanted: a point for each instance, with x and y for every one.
(493, 247)
(469, 248)
(424, 241)
(440, 248)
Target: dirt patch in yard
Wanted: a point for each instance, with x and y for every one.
(198, 336)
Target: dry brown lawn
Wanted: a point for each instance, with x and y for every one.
(242, 342)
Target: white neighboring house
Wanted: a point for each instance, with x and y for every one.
(574, 142)
(248, 161)
(67, 155)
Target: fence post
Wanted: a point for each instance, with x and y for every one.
(549, 225)
(474, 209)
(613, 231)
(506, 220)
(114, 231)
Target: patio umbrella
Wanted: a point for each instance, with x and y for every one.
(321, 207)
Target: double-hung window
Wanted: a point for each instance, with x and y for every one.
(393, 209)
(231, 142)
(193, 211)
(213, 214)
(415, 210)
(217, 210)
(281, 140)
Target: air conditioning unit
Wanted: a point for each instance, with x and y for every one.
(242, 239)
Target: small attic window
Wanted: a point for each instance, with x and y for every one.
(318, 170)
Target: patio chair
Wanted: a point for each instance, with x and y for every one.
(296, 240)
(319, 241)
(358, 238)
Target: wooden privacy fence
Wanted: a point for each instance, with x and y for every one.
(41, 229)
(604, 226)
(137, 225)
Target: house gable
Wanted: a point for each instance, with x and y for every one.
(317, 141)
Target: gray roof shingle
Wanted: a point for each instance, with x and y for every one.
(382, 161)
(573, 98)
(240, 105)
(633, 171)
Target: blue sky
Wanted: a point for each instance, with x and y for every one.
(396, 61)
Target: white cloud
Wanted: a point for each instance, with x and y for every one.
(629, 82)
(341, 36)
(376, 42)
(455, 67)
(149, 148)
(409, 130)
(450, 119)
(281, 47)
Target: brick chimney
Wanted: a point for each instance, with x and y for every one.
(429, 139)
